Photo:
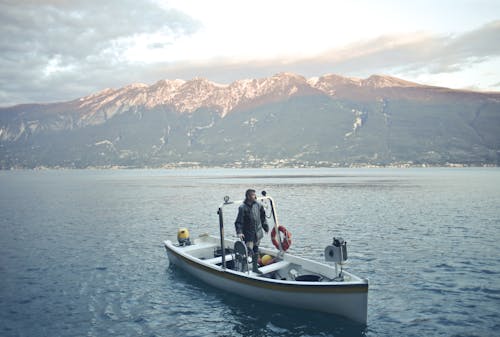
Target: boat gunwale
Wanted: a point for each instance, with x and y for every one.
(360, 286)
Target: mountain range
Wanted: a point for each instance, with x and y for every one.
(283, 120)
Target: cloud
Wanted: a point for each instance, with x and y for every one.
(56, 50)
(405, 55)
(44, 44)
(455, 53)
(414, 52)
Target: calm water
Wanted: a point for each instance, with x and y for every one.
(81, 251)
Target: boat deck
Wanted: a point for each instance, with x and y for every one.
(287, 267)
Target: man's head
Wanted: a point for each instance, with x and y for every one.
(250, 195)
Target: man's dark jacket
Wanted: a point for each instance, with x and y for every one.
(251, 220)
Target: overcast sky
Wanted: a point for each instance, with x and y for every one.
(58, 50)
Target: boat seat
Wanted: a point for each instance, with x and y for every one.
(199, 246)
(218, 259)
(274, 266)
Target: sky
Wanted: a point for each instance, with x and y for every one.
(59, 50)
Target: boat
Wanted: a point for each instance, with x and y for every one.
(285, 280)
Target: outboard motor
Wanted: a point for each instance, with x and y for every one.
(337, 252)
(183, 237)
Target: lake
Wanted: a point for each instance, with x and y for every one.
(82, 251)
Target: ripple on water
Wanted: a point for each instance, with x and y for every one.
(82, 256)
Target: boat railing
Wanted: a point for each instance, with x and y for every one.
(274, 214)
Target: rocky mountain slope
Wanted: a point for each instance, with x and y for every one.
(284, 120)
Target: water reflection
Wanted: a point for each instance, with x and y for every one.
(244, 317)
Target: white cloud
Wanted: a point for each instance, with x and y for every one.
(43, 44)
(444, 60)
(59, 50)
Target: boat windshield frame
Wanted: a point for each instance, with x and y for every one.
(221, 223)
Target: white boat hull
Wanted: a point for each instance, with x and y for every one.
(347, 299)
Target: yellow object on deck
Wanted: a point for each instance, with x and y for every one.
(183, 237)
(267, 259)
(183, 233)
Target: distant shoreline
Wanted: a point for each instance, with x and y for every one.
(193, 166)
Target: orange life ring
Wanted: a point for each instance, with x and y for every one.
(286, 238)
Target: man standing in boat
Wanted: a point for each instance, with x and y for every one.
(250, 222)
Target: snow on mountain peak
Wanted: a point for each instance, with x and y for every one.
(289, 75)
(313, 81)
(188, 96)
(383, 81)
(136, 86)
(167, 82)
